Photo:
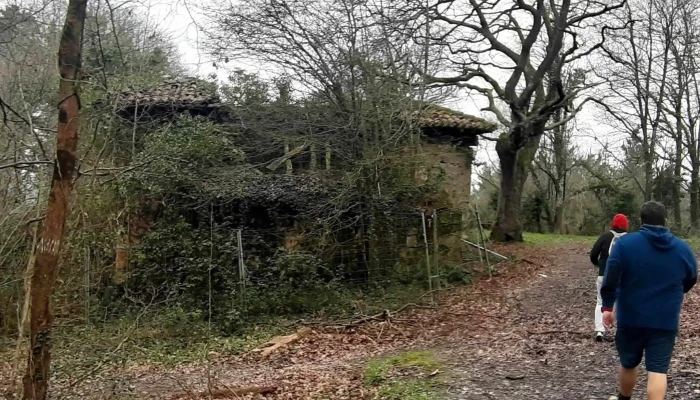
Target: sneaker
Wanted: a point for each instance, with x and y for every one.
(599, 337)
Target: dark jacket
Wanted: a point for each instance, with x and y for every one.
(599, 253)
(653, 270)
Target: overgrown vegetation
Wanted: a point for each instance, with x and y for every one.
(330, 186)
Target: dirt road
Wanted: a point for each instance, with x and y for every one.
(544, 348)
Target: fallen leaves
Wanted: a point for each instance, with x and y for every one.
(509, 318)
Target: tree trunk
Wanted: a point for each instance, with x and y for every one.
(58, 207)
(559, 219)
(678, 180)
(694, 196)
(514, 161)
(648, 172)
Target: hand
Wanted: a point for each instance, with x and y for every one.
(609, 319)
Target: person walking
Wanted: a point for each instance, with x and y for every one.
(653, 270)
(599, 257)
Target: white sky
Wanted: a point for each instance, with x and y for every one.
(181, 19)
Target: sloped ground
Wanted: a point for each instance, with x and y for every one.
(525, 334)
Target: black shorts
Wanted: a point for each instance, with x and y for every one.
(656, 345)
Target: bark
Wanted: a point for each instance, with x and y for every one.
(677, 173)
(560, 219)
(514, 161)
(694, 196)
(58, 207)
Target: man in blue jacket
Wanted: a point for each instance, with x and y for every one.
(654, 269)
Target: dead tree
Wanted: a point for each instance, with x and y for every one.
(513, 54)
(58, 207)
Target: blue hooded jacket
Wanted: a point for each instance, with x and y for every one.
(654, 269)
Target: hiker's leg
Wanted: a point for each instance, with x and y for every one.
(628, 380)
(630, 348)
(659, 350)
(656, 386)
(599, 327)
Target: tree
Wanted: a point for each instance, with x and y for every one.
(529, 44)
(58, 206)
(555, 158)
(637, 88)
(683, 110)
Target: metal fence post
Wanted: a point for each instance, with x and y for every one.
(427, 259)
(241, 265)
(436, 251)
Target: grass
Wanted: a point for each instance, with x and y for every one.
(407, 376)
(158, 338)
(550, 239)
(694, 243)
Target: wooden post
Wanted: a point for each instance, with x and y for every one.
(288, 162)
(483, 243)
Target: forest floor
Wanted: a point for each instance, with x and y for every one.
(524, 334)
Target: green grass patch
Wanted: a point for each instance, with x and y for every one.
(407, 376)
(550, 239)
(544, 239)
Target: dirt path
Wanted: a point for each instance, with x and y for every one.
(526, 334)
(545, 349)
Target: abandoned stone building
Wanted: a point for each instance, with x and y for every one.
(297, 179)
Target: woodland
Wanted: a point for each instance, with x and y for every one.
(288, 189)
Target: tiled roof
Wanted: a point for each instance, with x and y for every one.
(434, 116)
(182, 92)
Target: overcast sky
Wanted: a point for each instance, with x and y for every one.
(182, 20)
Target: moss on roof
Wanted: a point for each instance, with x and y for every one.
(436, 117)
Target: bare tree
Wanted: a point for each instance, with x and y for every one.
(58, 206)
(513, 54)
(638, 80)
(556, 157)
(683, 109)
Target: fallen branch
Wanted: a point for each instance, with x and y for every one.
(278, 162)
(532, 263)
(501, 256)
(281, 341)
(383, 316)
(225, 393)
(690, 372)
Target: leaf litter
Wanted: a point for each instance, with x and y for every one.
(524, 334)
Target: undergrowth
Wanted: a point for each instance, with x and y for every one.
(407, 376)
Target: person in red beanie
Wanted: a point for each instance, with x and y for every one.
(599, 257)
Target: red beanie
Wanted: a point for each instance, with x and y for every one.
(620, 222)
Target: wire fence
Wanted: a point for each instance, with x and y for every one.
(237, 275)
(353, 269)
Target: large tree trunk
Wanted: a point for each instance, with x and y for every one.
(678, 177)
(560, 220)
(57, 210)
(514, 160)
(694, 196)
